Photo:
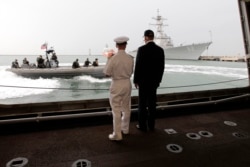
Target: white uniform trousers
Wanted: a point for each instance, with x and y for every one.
(120, 101)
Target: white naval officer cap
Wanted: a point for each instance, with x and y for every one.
(121, 40)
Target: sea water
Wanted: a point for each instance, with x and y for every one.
(179, 76)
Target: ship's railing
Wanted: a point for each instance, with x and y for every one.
(18, 113)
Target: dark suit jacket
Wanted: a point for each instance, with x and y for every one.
(149, 65)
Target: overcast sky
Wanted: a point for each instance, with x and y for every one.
(76, 26)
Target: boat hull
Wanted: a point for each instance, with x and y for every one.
(62, 72)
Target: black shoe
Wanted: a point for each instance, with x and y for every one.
(141, 129)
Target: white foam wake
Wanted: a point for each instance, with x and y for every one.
(208, 70)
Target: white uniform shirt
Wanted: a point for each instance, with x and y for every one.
(120, 66)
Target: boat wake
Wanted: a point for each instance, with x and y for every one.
(13, 86)
(92, 79)
(237, 73)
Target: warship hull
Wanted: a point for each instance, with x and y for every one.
(187, 52)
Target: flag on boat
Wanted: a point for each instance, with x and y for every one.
(44, 46)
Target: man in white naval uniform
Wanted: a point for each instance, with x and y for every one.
(120, 68)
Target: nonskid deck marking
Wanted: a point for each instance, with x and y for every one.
(230, 123)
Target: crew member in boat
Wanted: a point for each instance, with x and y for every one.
(54, 58)
(95, 63)
(47, 63)
(25, 61)
(40, 62)
(50, 50)
(15, 64)
(86, 63)
(76, 64)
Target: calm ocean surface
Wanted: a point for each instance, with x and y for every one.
(179, 76)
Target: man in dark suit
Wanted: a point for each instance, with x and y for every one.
(149, 69)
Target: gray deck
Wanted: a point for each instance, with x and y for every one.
(61, 143)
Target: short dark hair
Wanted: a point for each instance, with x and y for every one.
(149, 33)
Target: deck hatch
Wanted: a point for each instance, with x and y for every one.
(17, 162)
(239, 135)
(81, 163)
(170, 131)
(205, 133)
(193, 136)
(174, 148)
(230, 123)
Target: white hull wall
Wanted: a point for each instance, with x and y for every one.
(187, 52)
